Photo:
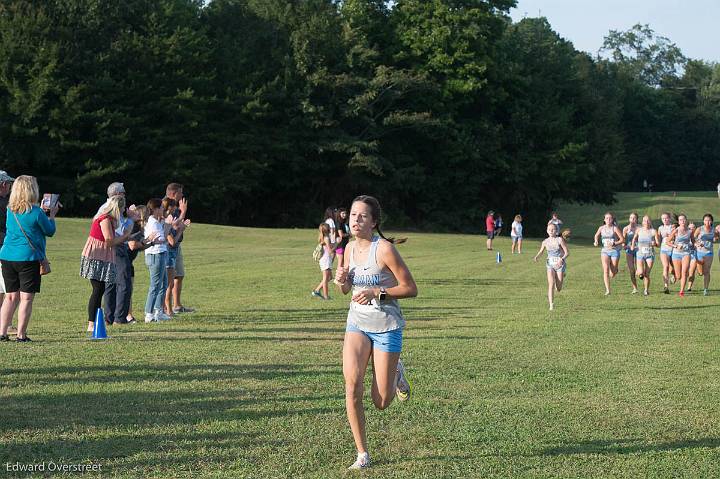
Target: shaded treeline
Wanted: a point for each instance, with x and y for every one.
(270, 110)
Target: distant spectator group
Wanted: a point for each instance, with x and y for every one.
(118, 233)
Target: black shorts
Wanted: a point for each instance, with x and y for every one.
(490, 234)
(23, 276)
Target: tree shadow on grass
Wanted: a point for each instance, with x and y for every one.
(156, 416)
(629, 446)
(473, 282)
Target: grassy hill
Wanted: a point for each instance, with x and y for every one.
(251, 385)
(585, 219)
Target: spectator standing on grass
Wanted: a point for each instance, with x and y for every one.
(490, 228)
(117, 294)
(343, 230)
(97, 262)
(5, 185)
(23, 249)
(498, 224)
(718, 190)
(176, 192)
(174, 229)
(516, 234)
(156, 261)
(325, 262)
(555, 220)
(136, 243)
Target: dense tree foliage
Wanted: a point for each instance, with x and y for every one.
(270, 110)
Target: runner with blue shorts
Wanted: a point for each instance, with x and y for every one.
(377, 277)
(705, 237)
(557, 252)
(612, 239)
(666, 250)
(680, 240)
(628, 235)
(643, 242)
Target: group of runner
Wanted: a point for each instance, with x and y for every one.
(686, 250)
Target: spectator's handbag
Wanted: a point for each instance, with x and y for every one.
(44, 263)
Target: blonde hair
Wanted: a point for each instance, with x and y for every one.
(24, 194)
(323, 231)
(114, 208)
(518, 218)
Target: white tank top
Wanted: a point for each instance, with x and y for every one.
(378, 316)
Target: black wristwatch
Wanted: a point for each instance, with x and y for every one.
(383, 295)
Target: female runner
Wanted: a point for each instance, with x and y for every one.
(557, 252)
(705, 237)
(693, 258)
(378, 277)
(610, 254)
(628, 235)
(663, 233)
(642, 243)
(680, 240)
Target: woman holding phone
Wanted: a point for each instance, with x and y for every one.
(21, 253)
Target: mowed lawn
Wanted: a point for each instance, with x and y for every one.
(251, 384)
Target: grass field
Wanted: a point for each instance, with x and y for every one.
(251, 385)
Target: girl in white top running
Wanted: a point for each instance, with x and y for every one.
(628, 235)
(665, 250)
(612, 239)
(516, 234)
(377, 277)
(557, 252)
(680, 240)
(642, 243)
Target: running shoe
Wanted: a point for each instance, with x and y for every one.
(362, 462)
(672, 278)
(150, 318)
(705, 292)
(552, 306)
(641, 277)
(316, 294)
(183, 309)
(645, 293)
(682, 294)
(402, 386)
(666, 290)
(634, 291)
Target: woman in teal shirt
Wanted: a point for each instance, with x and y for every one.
(21, 253)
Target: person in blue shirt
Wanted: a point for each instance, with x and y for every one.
(21, 253)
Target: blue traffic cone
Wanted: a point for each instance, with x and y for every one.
(499, 257)
(99, 331)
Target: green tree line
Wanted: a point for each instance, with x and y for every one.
(270, 110)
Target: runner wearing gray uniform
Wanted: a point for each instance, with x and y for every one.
(642, 243)
(630, 252)
(377, 277)
(557, 252)
(612, 239)
(680, 240)
(705, 237)
(666, 250)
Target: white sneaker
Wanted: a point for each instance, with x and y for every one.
(161, 316)
(402, 385)
(634, 291)
(362, 462)
(150, 318)
(552, 306)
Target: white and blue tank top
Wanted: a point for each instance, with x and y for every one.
(376, 317)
